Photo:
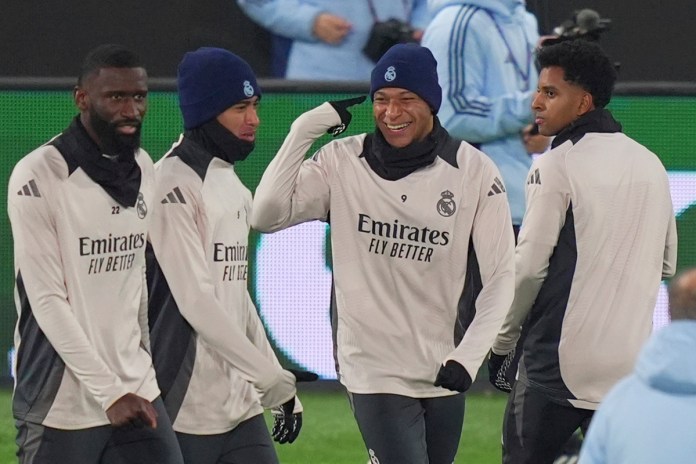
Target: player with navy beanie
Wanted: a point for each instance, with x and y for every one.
(209, 81)
(412, 67)
(422, 248)
(200, 311)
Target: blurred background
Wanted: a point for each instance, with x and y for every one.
(42, 44)
(654, 41)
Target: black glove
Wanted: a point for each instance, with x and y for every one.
(286, 424)
(453, 376)
(341, 107)
(499, 371)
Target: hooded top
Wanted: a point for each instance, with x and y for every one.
(500, 7)
(485, 63)
(650, 416)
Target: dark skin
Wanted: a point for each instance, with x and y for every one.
(132, 409)
(119, 96)
(115, 95)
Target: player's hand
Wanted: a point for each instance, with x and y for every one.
(286, 422)
(454, 377)
(500, 370)
(341, 107)
(330, 29)
(132, 409)
(534, 142)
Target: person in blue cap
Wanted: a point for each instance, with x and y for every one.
(215, 366)
(413, 212)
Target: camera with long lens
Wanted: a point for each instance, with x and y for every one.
(585, 24)
(384, 35)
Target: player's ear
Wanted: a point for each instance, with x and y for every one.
(586, 103)
(81, 98)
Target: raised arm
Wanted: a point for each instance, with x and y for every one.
(293, 190)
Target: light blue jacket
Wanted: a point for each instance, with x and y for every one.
(485, 62)
(312, 59)
(650, 416)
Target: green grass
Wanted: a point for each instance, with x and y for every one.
(330, 435)
(7, 429)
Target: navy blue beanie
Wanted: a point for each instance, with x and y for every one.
(408, 66)
(210, 80)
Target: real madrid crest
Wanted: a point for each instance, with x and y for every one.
(140, 206)
(390, 75)
(446, 205)
(248, 89)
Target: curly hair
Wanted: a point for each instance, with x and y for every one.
(584, 64)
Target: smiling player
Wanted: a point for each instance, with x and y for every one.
(413, 213)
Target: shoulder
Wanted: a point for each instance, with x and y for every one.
(473, 160)
(471, 18)
(549, 172)
(185, 160)
(172, 172)
(44, 163)
(621, 139)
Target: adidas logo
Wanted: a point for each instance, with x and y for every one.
(175, 196)
(534, 178)
(29, 190)
(496, 188)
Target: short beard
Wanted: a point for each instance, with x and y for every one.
(110, 141)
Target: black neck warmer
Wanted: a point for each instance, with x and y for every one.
(220, 142)
(392, 163)
(119, 176)
(598, 120)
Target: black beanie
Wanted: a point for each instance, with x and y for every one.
(210, 80)
(408, 66)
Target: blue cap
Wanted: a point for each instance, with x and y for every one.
(412, 67)
(210, 80)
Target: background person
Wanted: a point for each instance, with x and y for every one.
(85, 388)
(649, 416)
(598, 236)
(409, 207)
(328, 36)
(485, 57)
(209, 345)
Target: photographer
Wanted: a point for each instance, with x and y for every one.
(337, 40)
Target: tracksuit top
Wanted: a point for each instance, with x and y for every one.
(202, 318)
(598, 236)
(81, 338)
(400, 251)
(485, 61)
